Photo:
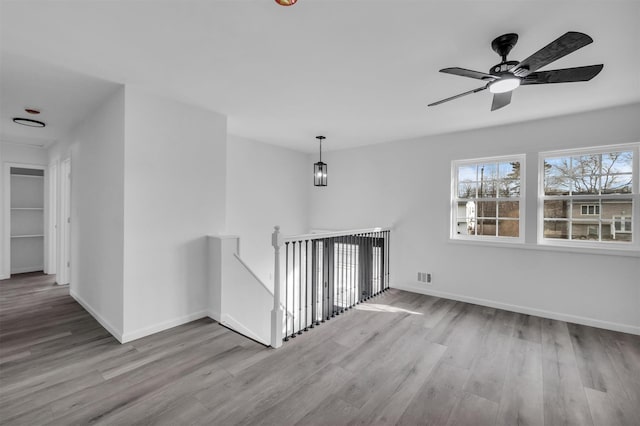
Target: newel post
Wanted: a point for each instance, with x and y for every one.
(276, 313)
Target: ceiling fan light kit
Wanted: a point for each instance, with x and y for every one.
(504, 84)
(28, 122)
(507, 76)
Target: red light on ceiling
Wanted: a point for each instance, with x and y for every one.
(286, 2)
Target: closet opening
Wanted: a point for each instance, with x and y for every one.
(27, 219)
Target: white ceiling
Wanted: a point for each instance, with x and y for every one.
(62, 97)
(359, 72)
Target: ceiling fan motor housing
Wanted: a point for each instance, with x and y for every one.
(502, 68)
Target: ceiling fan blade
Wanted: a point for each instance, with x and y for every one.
(501, 100)
(468, 73)
(562, 46)
(479, 89)
(566, 75)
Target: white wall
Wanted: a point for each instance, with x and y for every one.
(11, 152)
(266, 186)
(97, 212)
(407, 184)
(174, 183)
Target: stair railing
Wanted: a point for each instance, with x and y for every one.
(325, 275)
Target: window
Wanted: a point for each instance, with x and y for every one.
(487, 199)
(587, 196)
(590, 209)
(621, 225)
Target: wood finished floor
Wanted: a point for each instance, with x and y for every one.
(401, 359)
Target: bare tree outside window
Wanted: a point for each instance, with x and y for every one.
(609, 173)
(587, 196)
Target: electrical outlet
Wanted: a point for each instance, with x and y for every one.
(420, 276)
(428, 278)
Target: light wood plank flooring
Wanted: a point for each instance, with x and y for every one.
(401, 359)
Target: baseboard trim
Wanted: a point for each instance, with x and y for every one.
(215, 315)
(625, 328)
(26, 269)
(164, 325)
(103, 322)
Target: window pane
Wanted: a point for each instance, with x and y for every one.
(610, 232)
(487, 189)
(556, 209)
(508, 228)
(617, 162)
(509, 170)
(487, 171)
(486, 227)
(557, 176)
(556, 229)
(585, 230)
(486, 208)
(557, 186)
(509, 209)
(585, 178)
(617, 184)
(467, 189)
(586, 165)
(466, 218)
(509, 188)
(467, 173)
(611, 208)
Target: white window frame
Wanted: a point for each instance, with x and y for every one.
(634, 196)
(455, 164)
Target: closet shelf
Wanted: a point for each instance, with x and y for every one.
(27, 236)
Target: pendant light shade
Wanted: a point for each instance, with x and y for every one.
(320, 168)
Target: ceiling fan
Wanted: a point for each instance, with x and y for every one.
(506, 76)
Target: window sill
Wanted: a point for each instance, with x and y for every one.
(628, 252)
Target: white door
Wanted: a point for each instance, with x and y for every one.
(64, 224)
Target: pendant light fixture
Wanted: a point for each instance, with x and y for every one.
(286, 2)
(320, 168)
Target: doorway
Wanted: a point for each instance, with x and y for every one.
(25, 218)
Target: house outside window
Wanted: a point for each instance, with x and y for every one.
(588, 197)
(488, 199)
